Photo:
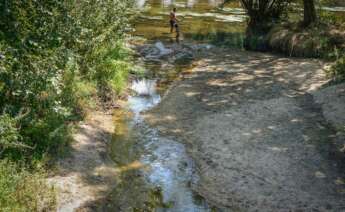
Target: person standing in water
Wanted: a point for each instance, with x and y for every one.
(173, 23)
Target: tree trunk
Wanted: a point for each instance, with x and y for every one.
(309, 12)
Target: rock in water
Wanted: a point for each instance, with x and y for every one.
(163, 51)
(183, 57)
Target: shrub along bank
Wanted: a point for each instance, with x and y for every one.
(296, 32)
(56, 58)
(319, 40)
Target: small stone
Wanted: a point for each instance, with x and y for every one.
(319, 174)
(339, 181)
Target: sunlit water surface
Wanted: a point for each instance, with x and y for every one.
(157, 174)
(206, 20)
(198, 19)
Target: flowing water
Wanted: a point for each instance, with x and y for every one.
(156, 174)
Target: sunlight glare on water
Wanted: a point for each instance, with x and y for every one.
(144, 87)
(162, 162)
(140, 3)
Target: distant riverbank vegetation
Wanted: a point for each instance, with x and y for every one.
(58, 59)
(303, 28)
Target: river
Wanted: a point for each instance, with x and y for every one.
(156, 172)
(199, 20)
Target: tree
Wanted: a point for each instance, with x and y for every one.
(262, 12)
(309, 12)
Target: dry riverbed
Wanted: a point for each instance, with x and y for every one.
(87, 174)
(262, 130)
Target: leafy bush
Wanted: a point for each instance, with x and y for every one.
(320, 40)
(9, 135)
(112, 71)
(21, 190)
(56, 57)
(337, 71)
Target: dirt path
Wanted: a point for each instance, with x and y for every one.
(87, 174)
(260, 130)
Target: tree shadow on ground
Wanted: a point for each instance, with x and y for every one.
(256, 110)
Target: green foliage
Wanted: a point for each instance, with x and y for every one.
(78, 93)
(9, 135)
(113, 69)
(263, 12)
(319, 40)
(22, 190)
(337, 71)
(56, 57)
(328, 17)
(330, 2)
(138, 71)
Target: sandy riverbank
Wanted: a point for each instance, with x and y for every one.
(87, 174)
(254, 128)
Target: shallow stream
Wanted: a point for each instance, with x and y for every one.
(199, 20)
(156, 174)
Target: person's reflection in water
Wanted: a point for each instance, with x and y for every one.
(177, 33)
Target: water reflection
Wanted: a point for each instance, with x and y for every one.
(140, 3)
(155, 172)
(195, 17)
(215, 2)
(167, 3)
(190, 3)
